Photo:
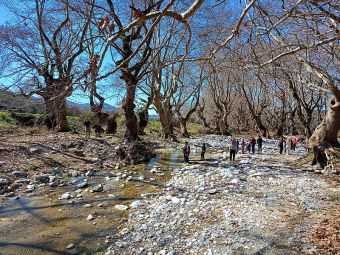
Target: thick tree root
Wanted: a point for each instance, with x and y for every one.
(328, 158)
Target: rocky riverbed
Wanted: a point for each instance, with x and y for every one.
(65, 195)
(260, 205)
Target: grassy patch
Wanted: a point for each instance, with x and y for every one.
(154, 124)
(4, 116)
(120, 120)
(334, 197)
(194, 129)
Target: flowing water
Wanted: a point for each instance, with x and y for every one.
(42, 224)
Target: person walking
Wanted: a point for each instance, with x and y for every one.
(203, 151)
(248, 147)
(243, 145)
(186, 152)
(294, 142)
(237, 145)
(232, 149)
(259, 144)
(252, 144)
(289, 145)
(281, 144)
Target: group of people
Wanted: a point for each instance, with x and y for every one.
(249, 146)
(245, 146)
(233, 148)
(287, 145)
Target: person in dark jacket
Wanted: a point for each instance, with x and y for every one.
(252, 144)
(259, 144)
(203, 151)
(282, 142)
(186, 152)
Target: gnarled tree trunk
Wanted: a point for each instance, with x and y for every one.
(183, 124)
(328, 129)
(55, 101)
(131, 123)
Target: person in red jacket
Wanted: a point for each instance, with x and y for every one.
(294, 142)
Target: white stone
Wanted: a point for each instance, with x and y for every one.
(66, 195)
(136, 204)
(90, 217)
(121, 207)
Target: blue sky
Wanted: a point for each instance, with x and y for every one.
(3, 15)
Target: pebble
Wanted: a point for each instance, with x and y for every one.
(90, 217)
(70, 246)
(66, 195)
(121, 207)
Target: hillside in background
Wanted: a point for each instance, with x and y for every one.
(18, 103)
(12, 102)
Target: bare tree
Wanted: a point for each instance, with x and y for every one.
(44, 43)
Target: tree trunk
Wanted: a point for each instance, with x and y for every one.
(327, 131)
(56, 113)
(183, 125)
(200, 114)
(260, 125)
(167, 128)
(293, 130)
(143, 121)
(131, 123)
(165, 116)
(223, 127)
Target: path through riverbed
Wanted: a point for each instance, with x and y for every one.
(260, 205)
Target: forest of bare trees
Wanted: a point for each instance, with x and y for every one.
(269, 66)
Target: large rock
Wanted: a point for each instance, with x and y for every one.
(98, 188)
(5, 181)
(43, 178)
(19, 174)
(82, 185)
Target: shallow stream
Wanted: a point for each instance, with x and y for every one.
(40, 223)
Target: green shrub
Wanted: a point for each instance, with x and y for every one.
(154, 124)
(120, 120)
(4, 116)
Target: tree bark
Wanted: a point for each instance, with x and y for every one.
(183, 124)
(131, 123)
(56, 114)
(167, 127)
(143, 117)
(200, 114)
(260, 125)
(327, 131)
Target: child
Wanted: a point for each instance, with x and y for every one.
(243, 145)
(203, 151)
(186, 152)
